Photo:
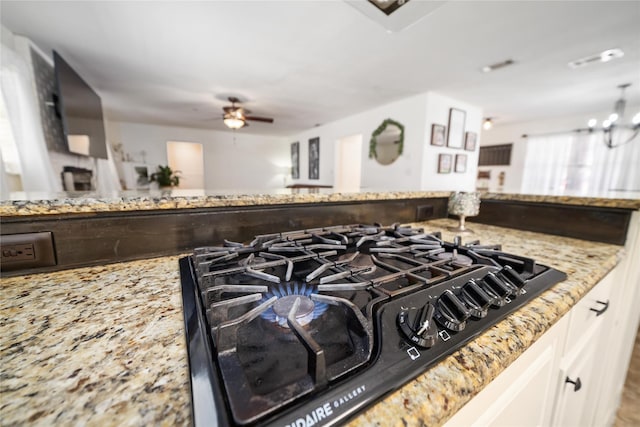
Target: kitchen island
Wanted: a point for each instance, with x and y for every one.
(105, 345)
(96, 229)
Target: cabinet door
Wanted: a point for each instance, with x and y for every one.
(576, 402)
(522, 394)
(585, 357)
(591, 309)
(524, 403)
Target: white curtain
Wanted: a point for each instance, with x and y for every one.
(106, 175)
(580, 164)
(17, 91)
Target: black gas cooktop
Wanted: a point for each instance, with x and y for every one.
(308, 327)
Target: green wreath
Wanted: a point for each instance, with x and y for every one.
(374, 137)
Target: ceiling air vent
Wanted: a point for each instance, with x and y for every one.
(497, 66)
(605, 56)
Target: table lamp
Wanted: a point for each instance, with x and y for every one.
(463, 204)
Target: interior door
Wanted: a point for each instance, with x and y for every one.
(348, 164)
(188, 158)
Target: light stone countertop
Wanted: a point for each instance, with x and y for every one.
(187, 199)
(69, 203)
(105, 345)
(623, 200)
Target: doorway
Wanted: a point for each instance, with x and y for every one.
(188, 158)
(348, 164)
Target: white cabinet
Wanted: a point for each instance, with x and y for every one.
(592, 344)
(581, 369)
(522, 394)
(620, 334)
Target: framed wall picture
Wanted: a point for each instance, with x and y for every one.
(437, 134)
(455, 135)
(314, 158)
(461, 163)
(295, 160)
(444, 163)
(470, 139)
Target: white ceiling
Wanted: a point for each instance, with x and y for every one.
(310, 62)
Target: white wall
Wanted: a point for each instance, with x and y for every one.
(248, 162)
(416, 168)
(233, 161)
(438, 107)
(403, 174)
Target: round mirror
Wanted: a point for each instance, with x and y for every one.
(387, 142)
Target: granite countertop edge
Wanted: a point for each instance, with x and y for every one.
(105, 345)
(176, 199)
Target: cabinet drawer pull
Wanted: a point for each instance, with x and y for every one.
(603, 309)
(577, 384)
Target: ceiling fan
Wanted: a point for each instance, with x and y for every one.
(236, 117)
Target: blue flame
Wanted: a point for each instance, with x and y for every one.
(292, 288)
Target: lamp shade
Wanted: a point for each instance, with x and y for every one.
(233, 122)
(464, 204)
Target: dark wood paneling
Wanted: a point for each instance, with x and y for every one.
(607, 225)
(93, 239)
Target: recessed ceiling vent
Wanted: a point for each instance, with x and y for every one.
(388, 6)
(605, 56)
(396, 15)
(497, 66)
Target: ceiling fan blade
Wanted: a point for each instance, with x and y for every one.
(259, 119)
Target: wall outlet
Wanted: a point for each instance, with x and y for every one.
(28, 250)
(20, 252)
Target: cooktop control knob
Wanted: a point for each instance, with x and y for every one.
(477, 300)
(451, 312)
(509, 275)
(418, 326)
(496, 288)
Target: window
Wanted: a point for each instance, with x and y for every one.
(495, 155)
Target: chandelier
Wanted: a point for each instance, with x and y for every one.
(615, 131)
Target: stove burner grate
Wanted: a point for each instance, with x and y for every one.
(294, 315)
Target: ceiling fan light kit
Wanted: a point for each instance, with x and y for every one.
(233, 122)
(235, 116)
